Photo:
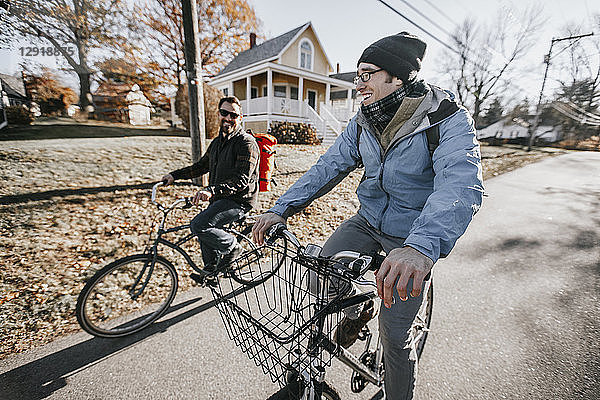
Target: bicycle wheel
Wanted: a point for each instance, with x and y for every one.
(256, 264)
(423, 321)
(126, 296)
(295, 390)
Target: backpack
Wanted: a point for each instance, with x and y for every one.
(266, 145)
(432, 133)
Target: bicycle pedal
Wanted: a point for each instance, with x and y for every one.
(364, 333)
(205, 279)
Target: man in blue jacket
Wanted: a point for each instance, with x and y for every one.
(414, 204)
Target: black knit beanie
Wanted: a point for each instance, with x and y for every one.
(399, 54)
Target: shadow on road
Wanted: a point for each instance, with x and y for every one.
(49, 194)
(40, 378)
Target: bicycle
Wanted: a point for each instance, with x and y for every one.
(286, 324)
(132, 292)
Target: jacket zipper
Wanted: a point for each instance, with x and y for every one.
(383, 158)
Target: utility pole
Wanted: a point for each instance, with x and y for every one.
(193, 69)
(538, 111)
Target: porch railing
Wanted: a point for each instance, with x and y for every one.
(315, 119)
(330, 119)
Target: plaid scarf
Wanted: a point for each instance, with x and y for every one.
(380, 113)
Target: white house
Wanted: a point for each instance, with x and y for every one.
(509, 129)
(288, 78)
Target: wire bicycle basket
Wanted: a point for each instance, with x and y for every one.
(284, 323)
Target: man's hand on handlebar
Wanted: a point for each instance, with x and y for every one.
(402, 264)
(201, 195)
(262, 224)
(167, 179)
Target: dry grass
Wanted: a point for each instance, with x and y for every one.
(69, 206)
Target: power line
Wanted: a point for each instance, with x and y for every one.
(562, 108)
(442, 13)
(415, 9)
(421, 28)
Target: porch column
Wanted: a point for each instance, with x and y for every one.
(248, 94)
(327, 93)
(269, 96)
(301, 95)
(230, 89)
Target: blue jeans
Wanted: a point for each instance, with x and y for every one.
(356, 234)
(214, 241)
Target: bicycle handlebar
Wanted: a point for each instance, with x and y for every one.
(186, 200)
(358, 263)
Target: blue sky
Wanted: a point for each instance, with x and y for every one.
(346, 27)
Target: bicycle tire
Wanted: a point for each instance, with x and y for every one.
(105, 307)
(257, 264)
(295, 390)
(423, 321)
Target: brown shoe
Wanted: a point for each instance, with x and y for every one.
(347, 331)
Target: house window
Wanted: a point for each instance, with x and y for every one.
(225, 92)
(253, 92)
(279, 90)
(293, 92)
(306, 54)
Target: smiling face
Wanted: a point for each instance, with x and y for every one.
(228, 123)
(378, 86)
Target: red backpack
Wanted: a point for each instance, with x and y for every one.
(266, 144)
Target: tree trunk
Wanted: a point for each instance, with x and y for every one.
(85, 96)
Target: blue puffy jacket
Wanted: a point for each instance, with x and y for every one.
(405, 192)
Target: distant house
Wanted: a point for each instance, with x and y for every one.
(508, 129)
(121, 102)
(288, 78)
(12, 93)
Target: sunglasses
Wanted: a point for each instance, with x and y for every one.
(225, 113)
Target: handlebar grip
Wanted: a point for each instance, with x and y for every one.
(376, 262)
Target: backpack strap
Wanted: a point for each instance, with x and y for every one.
(433, 138)
(358, 133)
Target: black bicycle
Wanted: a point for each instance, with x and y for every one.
(287, 323)
(131, 293)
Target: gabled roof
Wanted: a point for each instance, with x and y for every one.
(264, 51)
(13, 85)
(344, 76)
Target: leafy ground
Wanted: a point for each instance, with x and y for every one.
(69, 206)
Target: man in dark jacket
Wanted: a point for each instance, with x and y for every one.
(232, 164)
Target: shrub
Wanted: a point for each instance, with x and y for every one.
(18, 115)
(294, 133)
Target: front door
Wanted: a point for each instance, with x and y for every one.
(312, 99)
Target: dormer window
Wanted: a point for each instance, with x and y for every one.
(306, 54)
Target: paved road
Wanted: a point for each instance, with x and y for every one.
(516, 315)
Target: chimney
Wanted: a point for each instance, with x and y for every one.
(338, 68)
(252, 39)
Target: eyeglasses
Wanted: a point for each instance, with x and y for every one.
(225, 113)
(365, 76)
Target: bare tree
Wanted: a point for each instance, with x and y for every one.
(224, 32)
(579, 61)
(72, 27)
(487, 55)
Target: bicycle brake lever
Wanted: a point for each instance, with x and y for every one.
(188, 203)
